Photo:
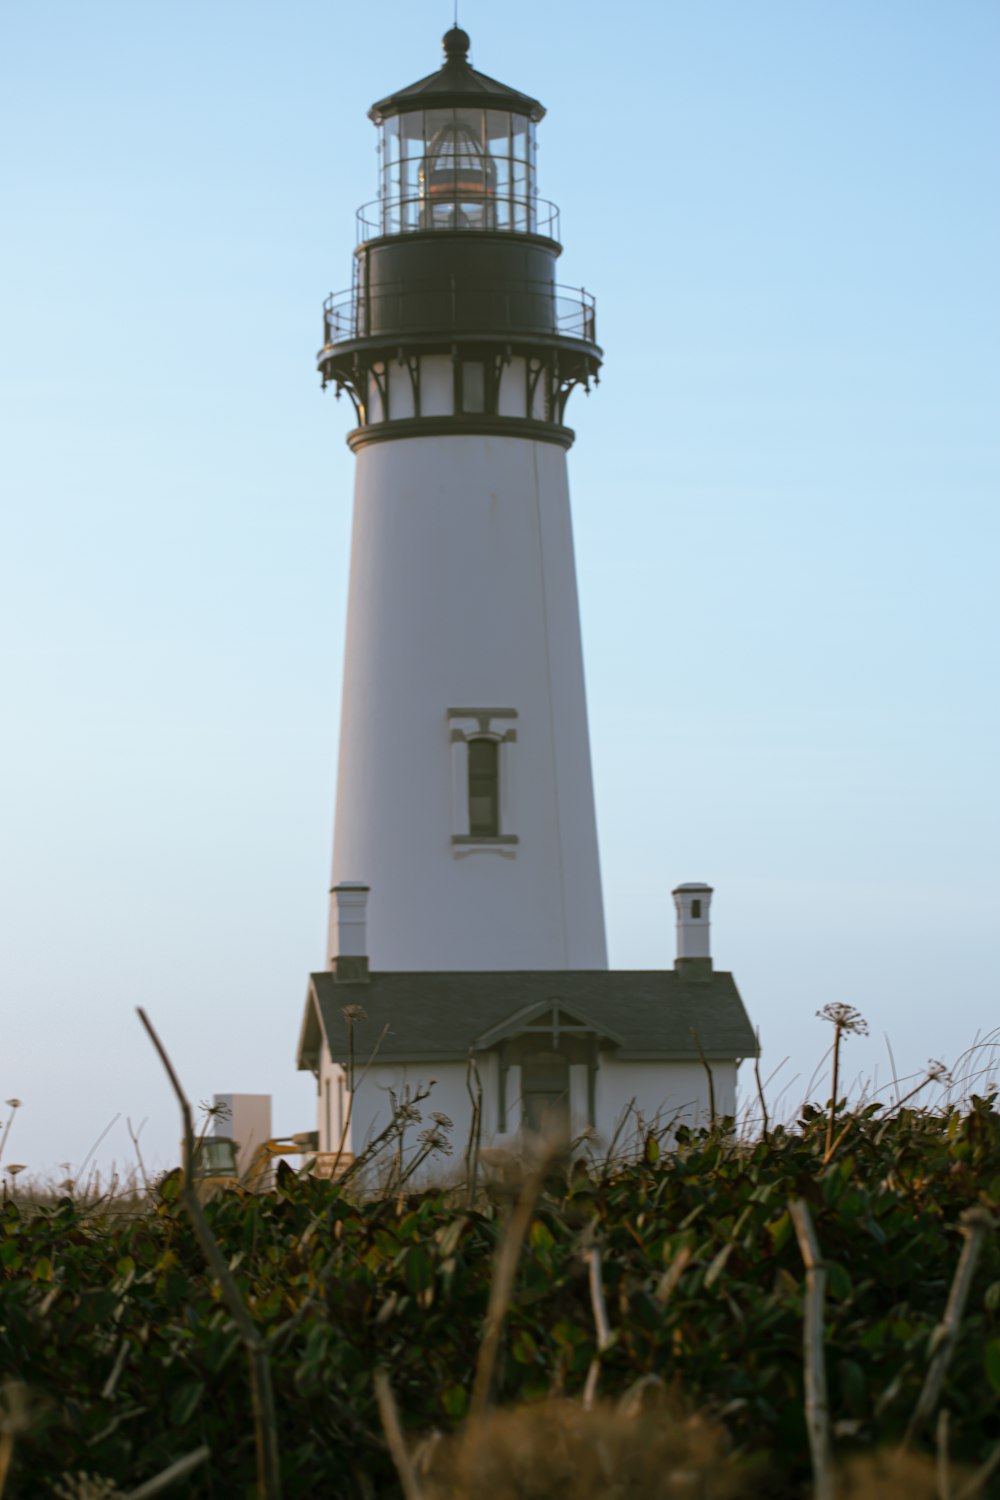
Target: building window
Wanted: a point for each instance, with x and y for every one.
(484, 789)
(696, 908)
(483, 742)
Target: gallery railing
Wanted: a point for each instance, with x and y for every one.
(446, 307)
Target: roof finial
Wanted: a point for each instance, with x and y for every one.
(456, 44)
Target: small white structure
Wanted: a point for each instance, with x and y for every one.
(581, 1047)
(244, 1119)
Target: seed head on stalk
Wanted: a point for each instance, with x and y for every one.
(847, 1022)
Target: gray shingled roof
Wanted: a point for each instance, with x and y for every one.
(645, 1014)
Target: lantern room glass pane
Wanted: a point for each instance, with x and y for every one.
(457, 169)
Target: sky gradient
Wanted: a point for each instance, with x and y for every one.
(785, 502)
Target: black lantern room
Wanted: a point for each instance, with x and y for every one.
(457, 256)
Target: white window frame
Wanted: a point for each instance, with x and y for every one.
(498, 724)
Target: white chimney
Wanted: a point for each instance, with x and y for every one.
(348, 933)
(694, 950)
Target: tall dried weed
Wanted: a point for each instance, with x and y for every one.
(554, 1448)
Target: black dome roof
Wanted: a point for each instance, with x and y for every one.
(456, 85)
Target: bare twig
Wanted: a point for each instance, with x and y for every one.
(6, 1454)
(708, 1071)
(943, 1466)
(981, 1477)
(504, 1267)
(760, 1090)
(976, 1225)
(109, 1126)
(346, 1122)
(262, 1394)
(116, 1370)
(934, 1073)
(377, 1142)
(394, 1436)
(672, 1275)
(168, 1477)
(832, 1116)
(892, 1064)
(13, 1105)
(630, 1106)
(474, 1089)
(817, 1406)
(601, 1324)
(134, 1136)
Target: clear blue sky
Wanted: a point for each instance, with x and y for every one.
(785, 498)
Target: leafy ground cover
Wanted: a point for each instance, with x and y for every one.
(122, 1356)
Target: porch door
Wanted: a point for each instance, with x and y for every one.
(545, 1092)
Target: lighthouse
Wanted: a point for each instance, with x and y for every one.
(466, 958)
(464, 827)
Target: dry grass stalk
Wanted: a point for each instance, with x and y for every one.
(977, 1223)
(13, 1105)
(134, 1137)
(504, 1268)
(890, 1476)
(116, 1370)
(261, 1390)
(709, 1075)
(601, 1324)
(672, 1275)
(168, 1477)
(6, 1454)
(976, 1486)
(610, 1154)
(394, 1436)
(943, 1467)
(760, 1093)
(474, 1089)
(552, 1449)
(817, 1405)
(346, 1124)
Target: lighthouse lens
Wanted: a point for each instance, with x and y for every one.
(457, 169)
(458, 175)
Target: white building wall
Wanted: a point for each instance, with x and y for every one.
(645, 1095)
(660, 1094)
(463, 594)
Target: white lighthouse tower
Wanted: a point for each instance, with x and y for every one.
(464, 798)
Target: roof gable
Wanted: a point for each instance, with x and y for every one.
(546, 1018)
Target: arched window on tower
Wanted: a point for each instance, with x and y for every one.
(484, 788)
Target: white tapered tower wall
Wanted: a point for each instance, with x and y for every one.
(463, 620)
